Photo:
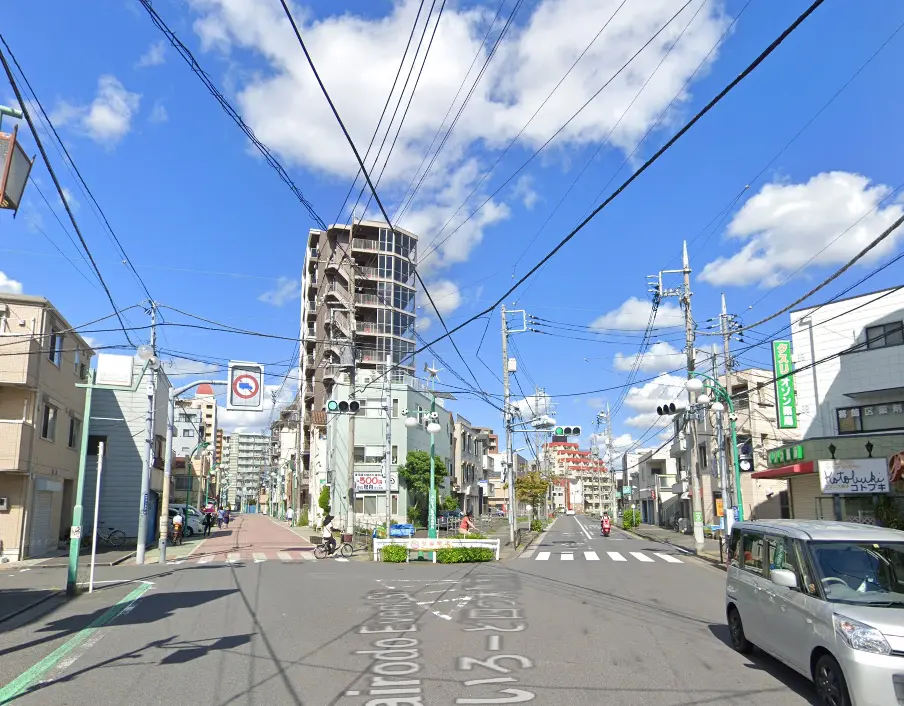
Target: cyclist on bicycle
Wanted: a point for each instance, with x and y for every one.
(327, 534)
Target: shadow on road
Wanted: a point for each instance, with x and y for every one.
(761, 661)
(151, 608)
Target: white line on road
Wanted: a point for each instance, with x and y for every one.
(582, 528)
(233, 557)
(591, 556)
(539, 542)
(640, 556)
(339, 558)
(543, 556)
(206, 559)
(615, 556)
(493, 643)
(284, 556)
(669, 558)
(309, 556)
(259, 557)
(567, 557)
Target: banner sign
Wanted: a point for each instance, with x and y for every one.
(366, 482)
(785, 402)
(854, 475)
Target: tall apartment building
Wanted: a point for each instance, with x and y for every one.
(357, 306)
(249, 460)
(41, 418)
(588, 486)
(283, 451)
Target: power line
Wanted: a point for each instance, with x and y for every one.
(27, 114)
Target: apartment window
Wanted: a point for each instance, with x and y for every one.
(94, 442)
(887, 416)
(702, 455)
(75, 432)
(48, 421)
(395, 407)
(395, 454)
(55, 349)
(188, 433)
(885, 335)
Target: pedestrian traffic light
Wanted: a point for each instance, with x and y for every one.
(343, 406)
(567, 431)
(669, 408)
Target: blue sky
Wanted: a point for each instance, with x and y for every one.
(214, 232)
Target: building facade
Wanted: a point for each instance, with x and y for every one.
(588, 485)
(470, 480)
(848, 359)
(41, 419)
(249, 461)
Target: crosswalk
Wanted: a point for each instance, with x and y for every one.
(251, 557)
(611, 556)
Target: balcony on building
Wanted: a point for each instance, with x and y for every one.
(336, 294)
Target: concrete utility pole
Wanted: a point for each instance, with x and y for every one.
(387, 448)
(148, 447)
(690, 335)
(350, 495)
(725, 328)
(507, 418)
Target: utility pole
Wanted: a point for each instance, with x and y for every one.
(350, 495)
(148, 446)
(507, 418)
(725, 328)
(689, 334)
(387, 448)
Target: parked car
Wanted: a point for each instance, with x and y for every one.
(193, 523)
(825, 598)
(569, 511)
(449, 519)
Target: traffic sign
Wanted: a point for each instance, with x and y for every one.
(246, 381)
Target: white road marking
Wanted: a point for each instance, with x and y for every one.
(206, 559)
(591, 556)
(567, 557)
(259, 557)
(669, 558)
(583, 529)
(640, 556)
(615, 556)
(284, 556)
(339, 558)
(309, 556)
(233, 557)
(543, 556)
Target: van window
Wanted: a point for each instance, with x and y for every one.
(806, 577)
(733, 544)
(752, 547)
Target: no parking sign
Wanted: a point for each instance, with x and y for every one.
(246, 387)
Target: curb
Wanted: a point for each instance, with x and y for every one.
(537, 539)
(712, 561)
(39, 601)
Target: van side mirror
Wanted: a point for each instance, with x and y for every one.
(784, 578)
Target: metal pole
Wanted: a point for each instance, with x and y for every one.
(507, 417)
(387, 450)
(431, 501)
(148, 448)
(735, 470)
(696, 486)
(75, 535)
(350, 486)
(163, 527)
(100, 468)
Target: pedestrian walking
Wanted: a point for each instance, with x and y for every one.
(208, 524)
(226, 517)
(221, 514)
(290, 514)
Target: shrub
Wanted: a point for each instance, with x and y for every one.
(474, 535)
(536, 526)
(324, 500)
(631, 518)
(464, 555)
(303, 520)
(394, 553)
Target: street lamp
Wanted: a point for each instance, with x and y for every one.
(433, 428)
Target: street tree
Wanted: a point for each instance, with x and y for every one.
(324, 500)
(415, 473)
(531, 488)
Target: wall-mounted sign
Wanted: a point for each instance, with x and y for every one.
(366, 482)
(853, 475)
(786, 454)
(783, 367)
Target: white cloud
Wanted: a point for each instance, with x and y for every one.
(634, 313)
(70, 199)
(784, 225)
(108, 118)
(658, 358)
(645, 399)
(446, 296)
(9, 286)
(154, 56)
(422, 323)
(285, 291)
(183, 367)
(358, 55)
(158, 114)
(533, 406)
(92, 342)
(524, 190)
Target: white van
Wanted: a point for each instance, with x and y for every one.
(825, 598)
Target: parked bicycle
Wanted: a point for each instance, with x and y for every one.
(343, 548)
(111, 537)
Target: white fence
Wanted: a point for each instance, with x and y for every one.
(423, 544)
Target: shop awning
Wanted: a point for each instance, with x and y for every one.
(792, 471)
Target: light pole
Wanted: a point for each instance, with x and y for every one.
(695, 385)
(433, 428)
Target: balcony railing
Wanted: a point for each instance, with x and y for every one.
(364, 244)
(368, 299)
(15, 438)
(338, 291)
(369, 327)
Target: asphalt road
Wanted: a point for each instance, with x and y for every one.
(539, 629)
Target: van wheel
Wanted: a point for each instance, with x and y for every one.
(189, 531)
(739, 641)
(830, 684)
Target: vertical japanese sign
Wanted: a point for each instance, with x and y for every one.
(783, 367)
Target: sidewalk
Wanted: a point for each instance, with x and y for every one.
(106, 556)
(683, 541)
(258, 532)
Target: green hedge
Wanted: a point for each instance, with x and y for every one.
(536, 525)
(464, 555)
(394, 553)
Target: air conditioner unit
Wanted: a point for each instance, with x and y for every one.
(4, 504)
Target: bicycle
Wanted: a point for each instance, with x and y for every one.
(113, 537)
(343, 548)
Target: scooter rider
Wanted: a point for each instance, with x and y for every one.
(605, 524)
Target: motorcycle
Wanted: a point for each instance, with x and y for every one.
(605, 528)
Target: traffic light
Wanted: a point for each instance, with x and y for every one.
(669, 408)
(343, 406)
(567, 431)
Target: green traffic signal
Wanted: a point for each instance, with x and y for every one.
(332, 406)
(559, 431)
(343, 406)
